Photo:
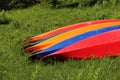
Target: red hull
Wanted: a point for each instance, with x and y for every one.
(106, 44)
(66, 28)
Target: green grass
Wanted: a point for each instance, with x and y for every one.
(14, 63)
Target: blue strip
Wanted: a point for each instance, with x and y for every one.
(73, 40)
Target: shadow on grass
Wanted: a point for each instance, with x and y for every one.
(56, 60)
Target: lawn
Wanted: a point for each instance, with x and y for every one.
(16, 25)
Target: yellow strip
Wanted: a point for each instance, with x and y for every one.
(54, 40)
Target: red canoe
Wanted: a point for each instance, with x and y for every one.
(106, 44)
(64, 29)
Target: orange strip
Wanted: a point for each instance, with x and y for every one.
(52, 41)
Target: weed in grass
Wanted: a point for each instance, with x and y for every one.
(4, 18)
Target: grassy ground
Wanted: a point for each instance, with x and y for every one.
(16, 25)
